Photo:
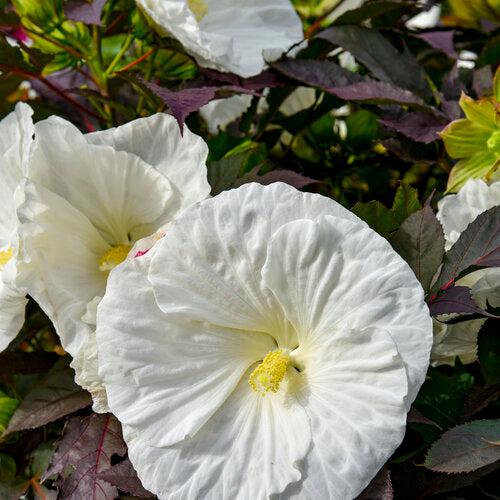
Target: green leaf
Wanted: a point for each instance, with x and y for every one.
(7, 467)
(420, 241)
(488, 351)
(405, 202)
(7, 408)
(442, 396)
(466, 447)
(377, 216)
(362, 129)
(52, 397)
(223, 173)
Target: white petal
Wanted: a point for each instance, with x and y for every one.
(249, 449)
(219, 113)
(333, 273)
(117, 191)
(157, 141)
(353, 391)
(455, 340)
(216, 250)
(16, 136)
(233, 34)
(60, 253)
(457, 211)
(86, 362)
(301, 98)
(12, 306)
(163, 377)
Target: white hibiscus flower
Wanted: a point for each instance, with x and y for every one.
(16, 136)
(271, 343)
(88, 200)
(456, 212)
(228, 35)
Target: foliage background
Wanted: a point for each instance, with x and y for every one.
(370, 141)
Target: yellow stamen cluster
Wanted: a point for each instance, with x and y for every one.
(5, 256)
(113, 257)
(199, 8)
(269, 374)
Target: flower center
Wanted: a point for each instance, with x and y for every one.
(199, 8)
(269, 374)
(113, 257)
(5, 256)
(494, 142)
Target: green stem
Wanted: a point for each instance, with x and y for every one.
(126, 44)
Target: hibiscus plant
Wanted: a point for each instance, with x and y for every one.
(249, 249)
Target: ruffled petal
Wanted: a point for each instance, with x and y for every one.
(457, 211)
(216, 250)
(60, 261)
(250, 448)
(12, 307)
(331, 274)
(16, 136)
(86, 362)
(124, 197)
(353, 390)
(157, 141)
(163, 377)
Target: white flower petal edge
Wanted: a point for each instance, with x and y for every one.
(16, 137)
(90, 196)
(457, 211)
(231, 35)
(221, 295)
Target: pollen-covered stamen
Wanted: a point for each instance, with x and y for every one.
(5, 256)
(113, 257)
(199, 8)
(269, 374)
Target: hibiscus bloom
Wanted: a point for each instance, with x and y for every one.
(88, 200)
(456, 212)
(228, 35)
(271, 343)
(16, 135)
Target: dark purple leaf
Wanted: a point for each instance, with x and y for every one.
(384, 61)
(441, 40)
(326, 75)
(466, 447)
(52, 397)
(377, 92)
(124, 477)
(371, 10)
(380, 487)
(478, 245)
(420, 241)
(418, 126)
(415, 417)
(183, 102)
(455, 300)
(287, 176)
(266, 79)
(478, 399)
(409, 151)
(83, 453)
(85, 12)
